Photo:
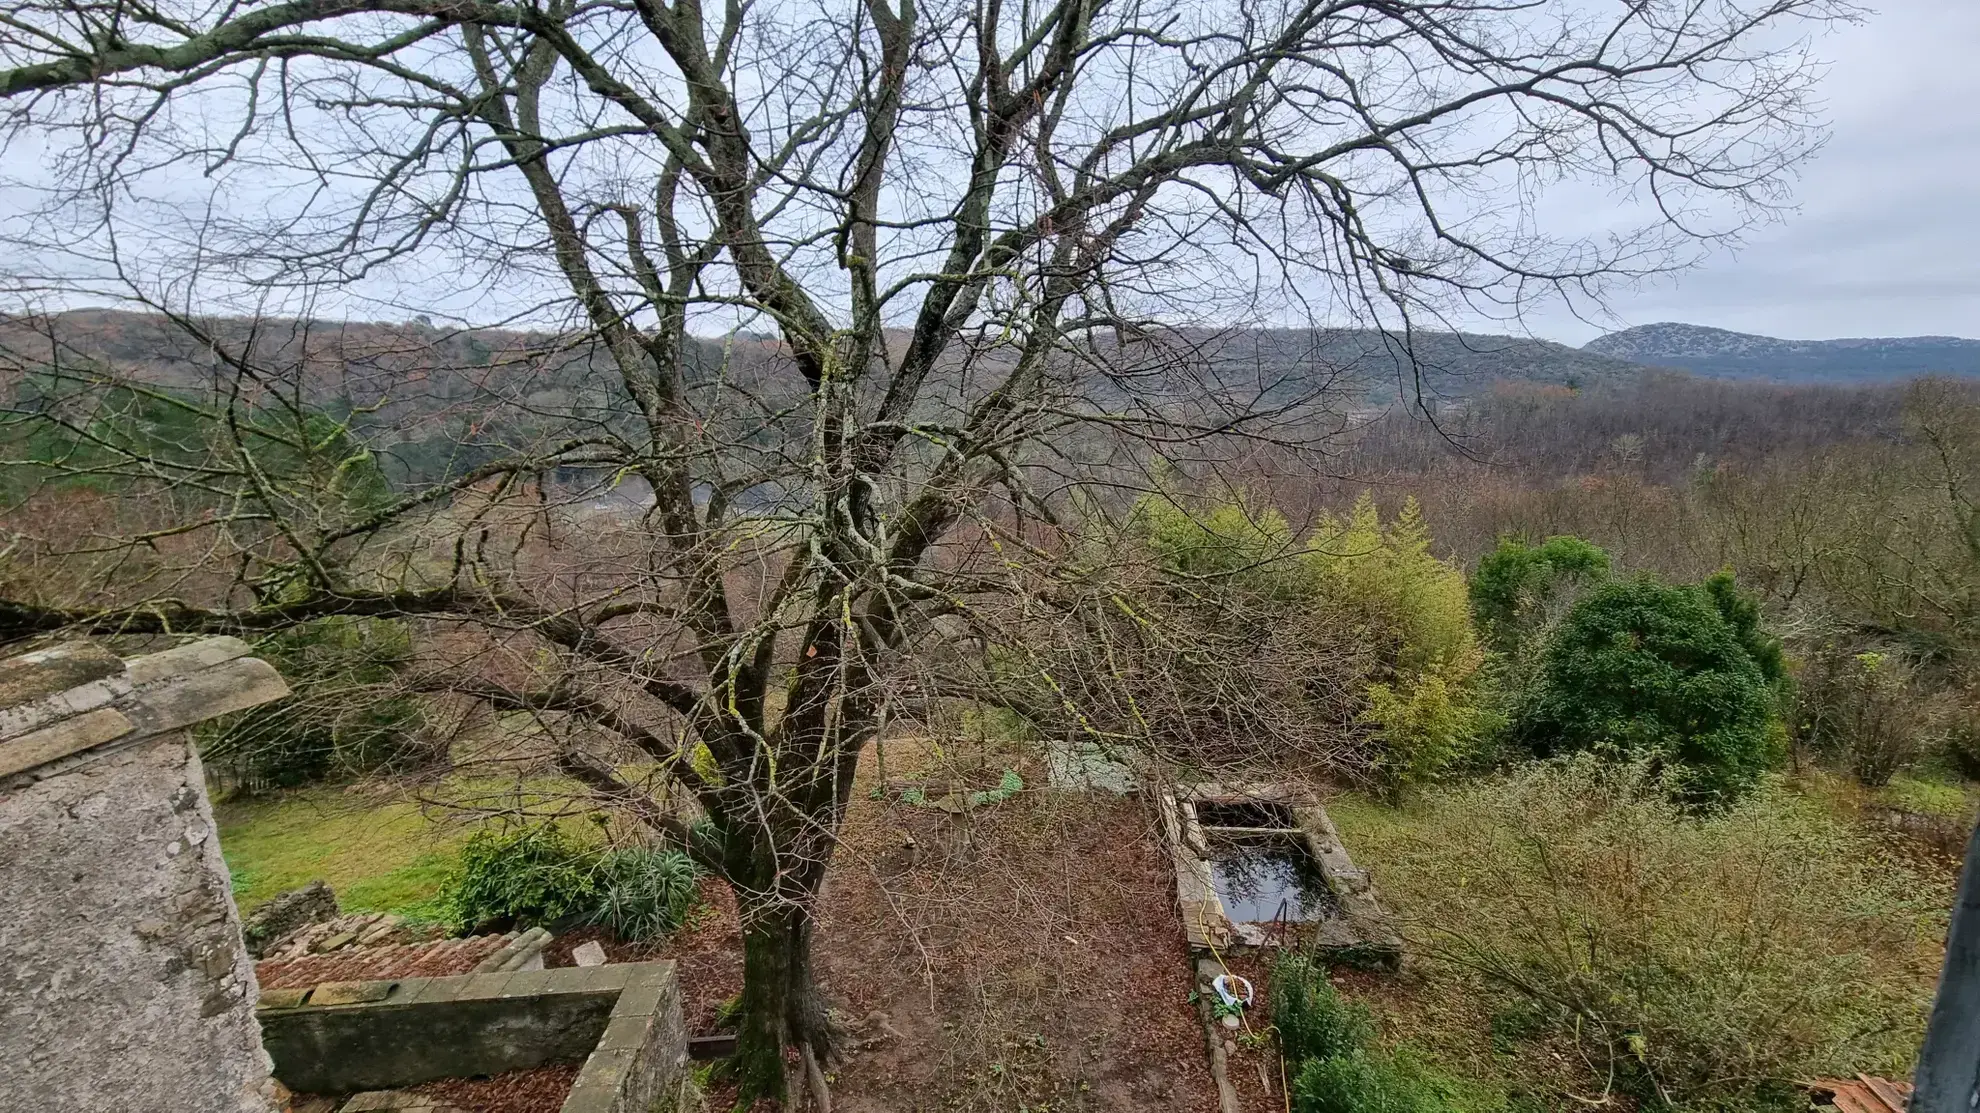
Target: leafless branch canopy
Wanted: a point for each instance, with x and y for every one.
(976, 243)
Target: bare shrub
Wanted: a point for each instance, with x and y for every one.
(1862, 710)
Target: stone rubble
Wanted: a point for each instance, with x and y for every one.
(287, 914)
(360, 929)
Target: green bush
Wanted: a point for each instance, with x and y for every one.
(1364, 1082)
(1401, 596)
(542, 874)
(1233, 632)
(533, 874)
(1959, 740)
(1742, 615)
(1426, 705)
(1639, 668)
(1312, 1019)
(1428, 724)
(646, 893)
(1516, 580)
(1222, 545)
(1702, 958)
(1329, 1047)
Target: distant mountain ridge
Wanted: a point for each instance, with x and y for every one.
(409, 374)
(1380, 366)
(1722, 352)
(465, 364)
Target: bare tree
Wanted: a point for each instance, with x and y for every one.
(973, 229)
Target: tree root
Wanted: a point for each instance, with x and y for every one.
(878, 1019)
(814, 1077)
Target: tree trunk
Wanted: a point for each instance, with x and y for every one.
(781, 1006)
(776, 866)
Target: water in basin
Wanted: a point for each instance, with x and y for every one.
(1262, 878)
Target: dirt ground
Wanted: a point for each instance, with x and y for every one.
(1024, 954)
(541, 1090)
(1021, 955)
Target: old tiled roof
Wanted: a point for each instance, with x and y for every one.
(1863, 1094)
(435, 958)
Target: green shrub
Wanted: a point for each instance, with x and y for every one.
(646, 893)
(1329, 1047)
(1009, 785)
(1364, 1082)
(1312, 1019)
(1384, 575)
(532, 874)
(1231, 641)
(1380, 578)
(1221, 546)
(1516, 580)
(1639, 668)
(1742, 615)
(81, 430)
(1706, 955)
(542, 874)
(1427, 724)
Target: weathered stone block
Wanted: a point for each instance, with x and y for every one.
(283, 998)
(27, 680)
(61, 739)
(350, 993)
(234, 686)
(158, 668)
(625, 1032)
(282, 916)
(123, 984)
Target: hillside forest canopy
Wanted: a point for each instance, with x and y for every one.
(891, 365)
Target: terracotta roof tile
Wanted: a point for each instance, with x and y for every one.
(1863, 1094)
(431, 959)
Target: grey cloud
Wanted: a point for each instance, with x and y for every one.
(1887, 237)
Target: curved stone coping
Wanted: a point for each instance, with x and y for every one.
(71, 699)
(623, 1021)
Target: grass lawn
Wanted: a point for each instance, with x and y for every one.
(1435, 1018)
(378, 856)
(379, 853)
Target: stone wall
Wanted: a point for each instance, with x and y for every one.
(123, 981)
(623, 1022)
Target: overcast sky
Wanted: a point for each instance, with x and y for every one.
(1887, 239)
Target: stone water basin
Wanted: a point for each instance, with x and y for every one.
(1267, 877)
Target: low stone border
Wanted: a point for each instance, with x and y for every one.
(1361, 935)
(623, 1021)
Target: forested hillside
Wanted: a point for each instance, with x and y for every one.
(1739, 355)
